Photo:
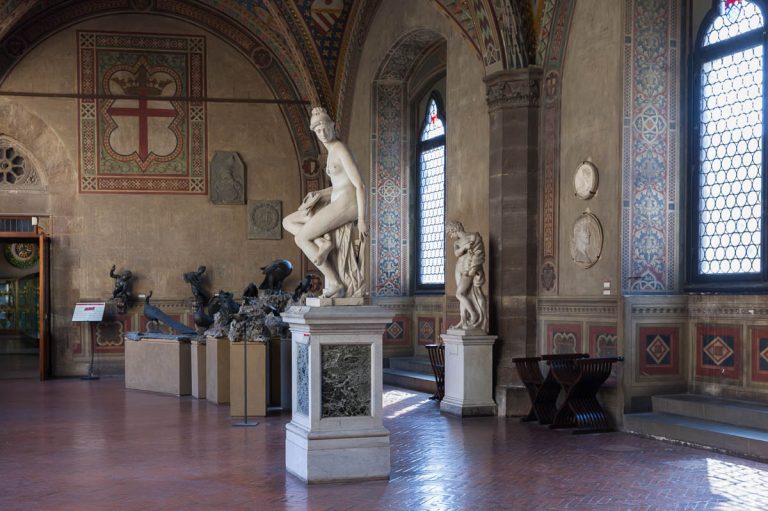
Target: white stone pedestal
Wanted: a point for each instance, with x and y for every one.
(257, 379)
(468, 373)
(158, 365)
(217, 370)
(198, 369)
(336, 432)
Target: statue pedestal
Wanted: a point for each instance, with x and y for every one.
(158, 365)
(468, 373)
(257, 379)
(336, 432)
(198, 369)
(217, 370)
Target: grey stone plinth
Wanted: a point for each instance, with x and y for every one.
(336, 432)
(158, 365)
(468, 373)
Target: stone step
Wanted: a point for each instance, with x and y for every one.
(412, 364)
(748, 442)
(410, 380)
(729, 411)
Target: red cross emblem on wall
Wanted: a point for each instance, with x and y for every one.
(144, 126)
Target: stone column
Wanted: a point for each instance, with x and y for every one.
(513, 103)
(336, 431)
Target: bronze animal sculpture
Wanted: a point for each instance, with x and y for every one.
(155, 314)
(275, 273)
(304, 287)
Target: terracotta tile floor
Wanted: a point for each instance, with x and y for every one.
(75, 445)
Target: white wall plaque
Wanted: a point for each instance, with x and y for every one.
(88, 312)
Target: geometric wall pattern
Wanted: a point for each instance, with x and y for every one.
(760, 355)
(427, 330)
(651, 142)
(659, 350)
(398, 332)
(718, 351)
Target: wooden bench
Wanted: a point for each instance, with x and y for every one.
(436, 354)
(542, 390)
(581, 379)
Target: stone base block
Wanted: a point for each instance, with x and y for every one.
(257, 379)
(466, 409)
(217, 370)
(468, 373)
(198, 369)
(513, 400)
(329, 302)
(158, 365)
(337, 456)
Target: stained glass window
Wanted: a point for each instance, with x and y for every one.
(728, 126)
(431, 197)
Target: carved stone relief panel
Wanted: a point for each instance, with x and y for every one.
(585, 180)
(265, 220)
(227, 178)
(586, 240)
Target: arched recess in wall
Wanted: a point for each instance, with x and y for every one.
(390, 244)
(265, 55)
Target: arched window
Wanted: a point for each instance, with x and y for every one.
(727, 230)
(430, 198)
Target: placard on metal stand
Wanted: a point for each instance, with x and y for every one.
(90, 313)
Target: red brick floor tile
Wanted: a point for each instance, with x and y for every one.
(70, 444)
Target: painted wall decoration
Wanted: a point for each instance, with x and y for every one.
(658, 350)
(603, 341)
(718, 351)
(759, 356)
(556, 23)
(427, 330)
(651, 143)
(563, 338)
(398, 333)
(143, 143)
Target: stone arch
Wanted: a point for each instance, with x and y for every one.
(390, 245)
(19, 169)
(287, 78)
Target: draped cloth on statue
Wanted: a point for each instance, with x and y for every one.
(349, 259)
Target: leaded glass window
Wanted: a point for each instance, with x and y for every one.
(727, 232)
(430, 242)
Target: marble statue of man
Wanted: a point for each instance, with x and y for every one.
(323, 225)
(470, 277)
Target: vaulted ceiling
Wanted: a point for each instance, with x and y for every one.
(315, 43)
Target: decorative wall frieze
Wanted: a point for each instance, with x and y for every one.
(559, 306)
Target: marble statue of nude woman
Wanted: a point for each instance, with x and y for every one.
(322, 212)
